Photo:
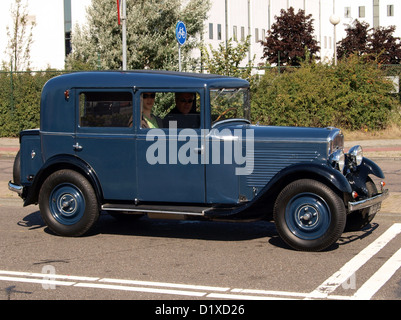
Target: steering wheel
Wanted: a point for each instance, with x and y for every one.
(224, 112)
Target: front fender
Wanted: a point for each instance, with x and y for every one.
(331, 175)
(369, 167)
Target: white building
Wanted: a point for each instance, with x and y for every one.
(227, 19)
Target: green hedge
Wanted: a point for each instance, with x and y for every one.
(20, 100)
(354, 95)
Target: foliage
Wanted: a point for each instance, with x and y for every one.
(20, 101)
(291, 35)
(226, 60)
(151, 39)
(375, 44)
(384, 46)
(19, 37)
(354, 95)
(356, 41)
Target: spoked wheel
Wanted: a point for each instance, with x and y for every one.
(68, 203)
(309, 215)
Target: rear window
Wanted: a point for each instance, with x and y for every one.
(105, 109)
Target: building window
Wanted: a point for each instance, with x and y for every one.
(347, 12)
(263, 34)
(219, 32)
(361, 12)
(256, 35)
(242, 33)
(390, 10)
(210, 31)
(235, 35)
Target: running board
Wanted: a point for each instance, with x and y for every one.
(167, 209)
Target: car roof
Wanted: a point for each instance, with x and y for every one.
(146, 79)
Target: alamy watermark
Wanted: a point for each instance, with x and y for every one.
(215, 146)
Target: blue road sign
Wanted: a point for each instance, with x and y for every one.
(181, 32)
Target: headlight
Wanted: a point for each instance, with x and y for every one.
(356, 155)
(337, 159)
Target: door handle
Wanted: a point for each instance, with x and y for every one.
(77, 147)
(199, 150)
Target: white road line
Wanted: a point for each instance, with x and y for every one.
(48, 275)
(370, 287)
(342, 275)
(41, 281)
(141, 289)
(164, 284)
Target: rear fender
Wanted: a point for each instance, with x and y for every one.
(60, 162)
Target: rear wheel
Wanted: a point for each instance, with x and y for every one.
(309, 215)
(68, 203)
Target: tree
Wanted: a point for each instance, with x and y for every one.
(384, 46)
(377, 44)
(151, 39)
(20, 37)
(356, 40)
(292, 36)
(226, 59)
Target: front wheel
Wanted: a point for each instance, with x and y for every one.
(68, 203)
(309, 215)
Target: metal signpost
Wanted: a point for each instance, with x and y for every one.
(122, 8)
(181, 36)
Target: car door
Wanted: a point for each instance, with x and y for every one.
(169, 159)
(105, 139)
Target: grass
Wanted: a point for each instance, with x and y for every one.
(392, 132)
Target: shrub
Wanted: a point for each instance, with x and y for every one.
(354, 95)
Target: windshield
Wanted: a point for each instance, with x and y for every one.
(229, 103)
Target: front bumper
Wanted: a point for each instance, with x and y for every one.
(16, 188)
(369, 202)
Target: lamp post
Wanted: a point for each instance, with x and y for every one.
(335, 20)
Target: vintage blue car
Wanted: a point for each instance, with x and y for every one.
(171, 144)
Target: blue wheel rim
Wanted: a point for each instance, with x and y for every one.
(67, 204)
(308, 216)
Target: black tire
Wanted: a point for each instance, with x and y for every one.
(68, 203)
(309, 215)
(357, 220)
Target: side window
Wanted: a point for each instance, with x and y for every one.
(105, 109)
(159, 109)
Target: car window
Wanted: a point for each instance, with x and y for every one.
(105, 109)
(170, 109)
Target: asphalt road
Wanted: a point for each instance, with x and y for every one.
(174, 260)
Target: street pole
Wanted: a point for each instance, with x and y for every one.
(124, 31)
(179, 57)
(335, 20)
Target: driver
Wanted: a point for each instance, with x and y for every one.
(184, 111)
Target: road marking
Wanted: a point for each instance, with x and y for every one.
(141, 289)
(165, 284)
(349, 269)
(370, 287)
(41, 281)
(188, 290)
(366, 291)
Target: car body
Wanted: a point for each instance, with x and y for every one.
(93, 153)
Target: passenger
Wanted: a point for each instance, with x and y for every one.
(149, 120)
